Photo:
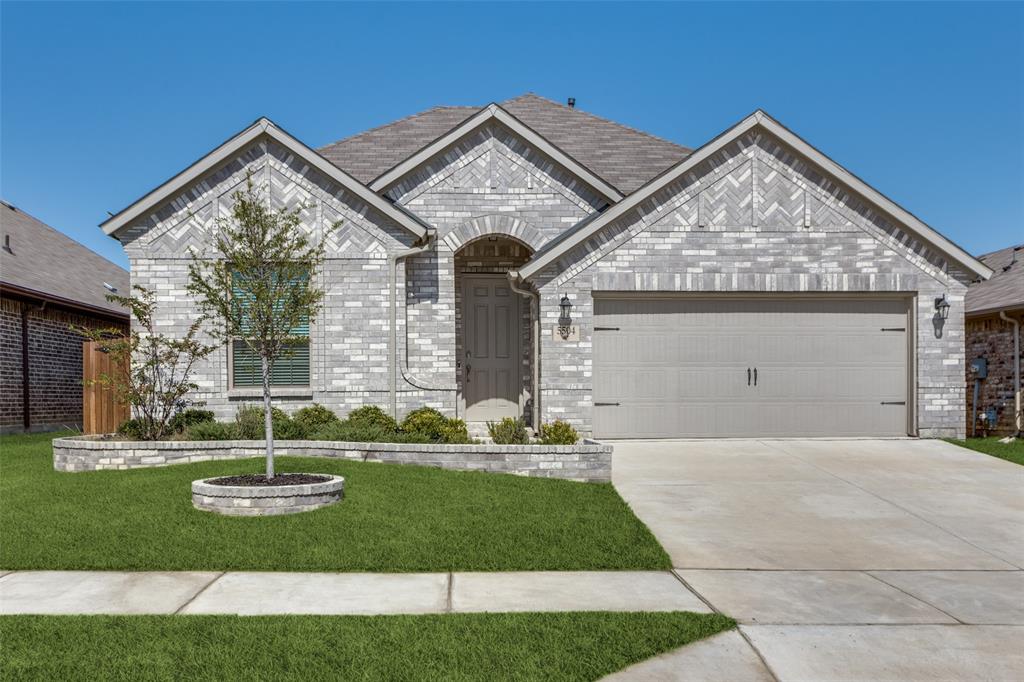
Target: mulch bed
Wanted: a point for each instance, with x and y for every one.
(262, 480)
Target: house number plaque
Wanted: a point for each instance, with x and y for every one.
(565, 333)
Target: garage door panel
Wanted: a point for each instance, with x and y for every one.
(677, 367)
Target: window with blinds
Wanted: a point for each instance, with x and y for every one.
(291, 369)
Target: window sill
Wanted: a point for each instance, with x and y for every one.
(275, 392)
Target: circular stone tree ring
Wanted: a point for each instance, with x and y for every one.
(266, 500)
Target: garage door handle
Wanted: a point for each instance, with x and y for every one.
(894, 402)
(748, 376)
(606, 404)
(755, 376)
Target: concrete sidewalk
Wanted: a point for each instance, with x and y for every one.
(251, 594)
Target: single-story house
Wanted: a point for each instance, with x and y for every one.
(530, 259)
(48, 284)
(995, 312)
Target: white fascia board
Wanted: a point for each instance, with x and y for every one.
(263, 126)
(494, 112)
(758, 118)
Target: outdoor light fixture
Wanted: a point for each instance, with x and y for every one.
(942, 307)
(566, 305)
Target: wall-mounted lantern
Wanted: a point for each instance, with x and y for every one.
(942, 307)
(566, 307)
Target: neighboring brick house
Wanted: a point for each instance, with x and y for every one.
(48, 282)
(995, 339)
(551, 264)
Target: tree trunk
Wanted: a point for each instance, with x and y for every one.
(268, 419)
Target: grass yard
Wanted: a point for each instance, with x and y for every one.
(522, 646)
(1011, 452)
(394, 518)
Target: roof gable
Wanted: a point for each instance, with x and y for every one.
(589, 228)
(261, 127)
(493, 112)
(624, 157)
(45, 261)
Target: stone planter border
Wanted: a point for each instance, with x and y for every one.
(271, 500)
(586, 461)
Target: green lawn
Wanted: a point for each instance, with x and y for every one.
(1011, 452)
(394, 518)
(522, 646)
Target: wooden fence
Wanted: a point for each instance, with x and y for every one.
(101, 411)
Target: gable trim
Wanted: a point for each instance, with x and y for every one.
(489, 113)
(261, 127)
(585, 229)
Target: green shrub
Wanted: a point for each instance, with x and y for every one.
(508, 431)
(314, 418)
(366, 433)
(558, 432)
(371, 416)
(249, 422)
(455, 432)
(434, 426)
(183, 420)
(210, 430)
(289, 429)
(133, 429)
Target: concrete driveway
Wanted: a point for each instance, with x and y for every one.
(842, 559)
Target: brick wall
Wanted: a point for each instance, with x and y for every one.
(992, 338)
(55, 366)
(756, 218)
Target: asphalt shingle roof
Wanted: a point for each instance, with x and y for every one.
(620, 155)
(49, 262)
(1005, 289)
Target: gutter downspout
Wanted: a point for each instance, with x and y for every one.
(514, 282)
(1016, 369)
(393, 259)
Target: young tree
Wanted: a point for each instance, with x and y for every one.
(262, 287)
(157, 368)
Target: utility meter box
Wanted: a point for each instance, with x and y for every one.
(980, 368)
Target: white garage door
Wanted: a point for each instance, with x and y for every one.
(758, 367)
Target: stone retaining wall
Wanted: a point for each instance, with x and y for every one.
(589, 461)
(274, 500)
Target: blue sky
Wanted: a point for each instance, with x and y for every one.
(99, 103)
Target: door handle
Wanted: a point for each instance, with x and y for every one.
(469, 370)
(755, 376)
(748, 376)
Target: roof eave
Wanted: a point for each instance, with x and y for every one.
(494, 112)
(995, 310)
(762, 119)
(25, 292)
(263, 126)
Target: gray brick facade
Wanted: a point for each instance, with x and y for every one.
(755, 217)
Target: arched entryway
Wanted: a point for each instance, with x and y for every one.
(492, 324)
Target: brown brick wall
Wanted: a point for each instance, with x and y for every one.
(55, 365)
(992, 338)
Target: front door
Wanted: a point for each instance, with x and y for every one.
(490, 342)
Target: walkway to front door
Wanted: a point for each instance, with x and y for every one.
(492, 356)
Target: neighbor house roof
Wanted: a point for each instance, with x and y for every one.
(261, 127)
(624, 157)
(586, 228)
(46, 263)
(1005, 289)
